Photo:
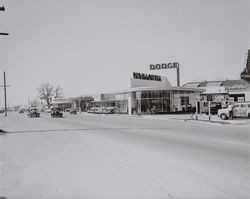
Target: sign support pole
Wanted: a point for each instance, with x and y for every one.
(178, 76)
(209, 111)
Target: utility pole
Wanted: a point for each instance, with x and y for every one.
(5, 97)
(5, 93)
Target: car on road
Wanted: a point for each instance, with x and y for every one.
(33, 112)
(55, 112)
(240, 109)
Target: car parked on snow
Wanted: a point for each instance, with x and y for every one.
(67, 110)
(240, 109)
(108, 110)
(21, 111)
(214, 107)
(55, 112)
(73, 111)
(97, 110)
(33, 112)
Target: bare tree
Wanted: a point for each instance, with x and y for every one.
(58, 92)
(46, 93)
(34, 103)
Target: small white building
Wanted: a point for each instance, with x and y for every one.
(62, 103)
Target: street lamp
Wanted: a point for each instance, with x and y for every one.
(3, 9)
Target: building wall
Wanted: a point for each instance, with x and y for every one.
(176, 99)
(245, 92)
(142, 83)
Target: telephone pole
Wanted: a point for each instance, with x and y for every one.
(5, 93)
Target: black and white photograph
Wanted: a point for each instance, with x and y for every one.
(124, 99)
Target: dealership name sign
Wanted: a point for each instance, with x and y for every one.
(146, 76)
(164, 66)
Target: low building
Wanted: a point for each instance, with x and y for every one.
(150, 94)
(62, 103)
(82, 103)
(223, 90)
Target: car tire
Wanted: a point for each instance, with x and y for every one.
(223, 116)
(248, 115)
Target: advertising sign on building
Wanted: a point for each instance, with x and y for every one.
(164, 66)
(146, 76)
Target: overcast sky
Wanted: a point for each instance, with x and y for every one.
(90, 46)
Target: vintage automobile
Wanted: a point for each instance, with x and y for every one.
(21, 111)
(108, 110)
(67, 110)
(102, 110)
(240, 109)
(73, 111)
(96, 110)
(55, 112)
(33, 112)
(214, 107)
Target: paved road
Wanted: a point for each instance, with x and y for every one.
(95, 156)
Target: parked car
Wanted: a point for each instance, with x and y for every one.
(21, 110)
(240, 109)
(55, 112)
(214, 107)
(97, 110)
(33, 112)
(67, 110)
(73, 112)
(108, 110)
(47, 111)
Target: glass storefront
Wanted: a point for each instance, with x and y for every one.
(151, 101)
(155, 102)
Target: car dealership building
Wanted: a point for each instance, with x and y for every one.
(150, 94)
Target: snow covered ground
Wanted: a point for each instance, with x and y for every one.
(113, 157)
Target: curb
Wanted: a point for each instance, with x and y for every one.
(212, 121)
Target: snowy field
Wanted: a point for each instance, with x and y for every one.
(121, 157)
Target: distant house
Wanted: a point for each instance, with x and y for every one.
(83, 103)
(62, 103)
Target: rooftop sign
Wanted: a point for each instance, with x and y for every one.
(164, 66)
(146, 76)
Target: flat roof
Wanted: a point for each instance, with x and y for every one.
(156, 88)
